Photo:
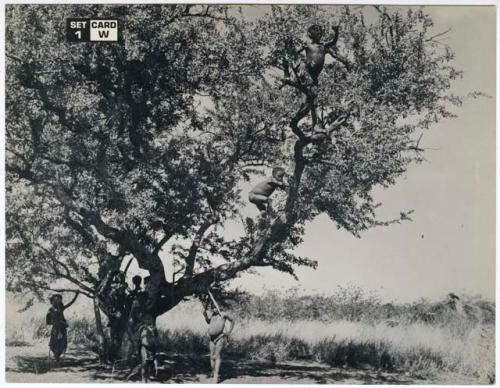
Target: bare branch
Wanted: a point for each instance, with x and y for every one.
(416, 147)
(128, 265)
(438, 35)
(162, 242)
(382, 12)
(204, 13)
(48, 288)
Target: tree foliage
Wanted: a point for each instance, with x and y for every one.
(113, 150)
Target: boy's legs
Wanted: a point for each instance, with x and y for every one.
(212, 357)
(259, 200)
(219, 345)
(144, 364)
(150, 369)
(147, 371)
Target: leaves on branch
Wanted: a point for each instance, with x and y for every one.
(121, 149)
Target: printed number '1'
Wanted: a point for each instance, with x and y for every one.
(78, 34)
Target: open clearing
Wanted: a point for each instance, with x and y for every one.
(29, 364)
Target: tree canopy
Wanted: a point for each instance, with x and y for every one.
(113, 150)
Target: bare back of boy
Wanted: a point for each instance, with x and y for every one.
(315, 59)
(261, 192)
(265, 188)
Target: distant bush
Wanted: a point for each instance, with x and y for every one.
(355, 305)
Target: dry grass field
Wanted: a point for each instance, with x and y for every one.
(425, 342)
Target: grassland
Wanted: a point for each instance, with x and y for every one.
(346, 330)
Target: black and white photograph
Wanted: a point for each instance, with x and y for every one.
(250, 193)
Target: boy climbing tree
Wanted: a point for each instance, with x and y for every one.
(261, 193)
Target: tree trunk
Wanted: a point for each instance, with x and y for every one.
(103, 350)
(117, 323)
(117, 330)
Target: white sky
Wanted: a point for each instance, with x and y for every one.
(450, 245)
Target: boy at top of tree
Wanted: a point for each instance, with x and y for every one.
(315, 53)
(260, 194)
(309, 69)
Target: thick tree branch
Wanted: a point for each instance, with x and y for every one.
(72, 301)
(294, 125)
(162, 242)
(193, 250)
(86, 235)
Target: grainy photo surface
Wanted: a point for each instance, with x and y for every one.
(250, 194)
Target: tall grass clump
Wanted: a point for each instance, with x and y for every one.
(352, 329)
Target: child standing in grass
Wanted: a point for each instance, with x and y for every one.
(148, 343)
(55, 317)
(220, 326)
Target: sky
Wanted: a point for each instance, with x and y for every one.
(450, 244)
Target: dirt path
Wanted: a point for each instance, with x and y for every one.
(29, 364)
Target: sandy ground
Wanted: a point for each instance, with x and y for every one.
(30, 364)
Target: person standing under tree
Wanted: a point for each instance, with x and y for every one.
(59, 334)
(136, 281)
(220, 326)
(137, 313)
(148, 335)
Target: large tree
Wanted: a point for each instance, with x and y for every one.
(114, 150)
